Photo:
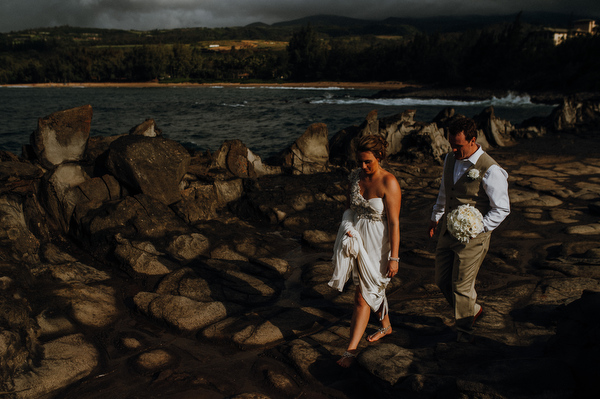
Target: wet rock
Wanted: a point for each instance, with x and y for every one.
(62, 136)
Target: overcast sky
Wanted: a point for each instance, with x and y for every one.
(169, 14)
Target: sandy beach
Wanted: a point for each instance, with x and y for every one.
(391, 85)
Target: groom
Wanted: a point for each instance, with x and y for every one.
(472, 177)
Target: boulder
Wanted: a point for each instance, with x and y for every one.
(66, 360)
(342, 146)
(91, 306)
(183, 314)
(140, 259)
(139, 218)
(237, 159)
(153, 361)
(60, 194)
(309, 153)
(405, 137)
(13, 171)
(425, 141)
(387, 361)
(395, 128)
(573, 114)
(199, 202)
(13, 229)
(496, 131)
(187, 247)
(147, 128)
(153, 166)
(62, 136)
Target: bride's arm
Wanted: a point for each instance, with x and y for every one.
(392, 200)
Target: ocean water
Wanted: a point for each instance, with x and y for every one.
(266, 119)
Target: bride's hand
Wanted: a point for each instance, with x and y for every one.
(392, 268)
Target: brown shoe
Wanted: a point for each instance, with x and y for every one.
(478, 314)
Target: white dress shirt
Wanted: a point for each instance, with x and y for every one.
(495, 185)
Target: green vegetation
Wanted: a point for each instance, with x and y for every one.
(508, 55)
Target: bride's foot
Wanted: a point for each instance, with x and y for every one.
(347, 359)
(382, 332)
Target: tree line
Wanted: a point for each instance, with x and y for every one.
(512, 57)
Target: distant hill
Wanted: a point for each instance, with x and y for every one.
(326, 25)
(335, 25)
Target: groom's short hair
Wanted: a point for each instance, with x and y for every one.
(463, 125)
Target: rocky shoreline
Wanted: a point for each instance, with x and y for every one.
(133, 267)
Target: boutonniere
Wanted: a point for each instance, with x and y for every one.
(473, 174)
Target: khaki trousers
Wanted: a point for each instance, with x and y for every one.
(456, 268)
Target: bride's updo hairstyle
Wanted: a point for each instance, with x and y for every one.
(375, 144)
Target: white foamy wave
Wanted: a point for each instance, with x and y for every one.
(511, 100)
(234, 105)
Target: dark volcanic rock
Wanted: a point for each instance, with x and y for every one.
(153, 166)
(62, 136)
(222, 269)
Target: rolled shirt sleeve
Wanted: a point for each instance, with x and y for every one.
(495, 184)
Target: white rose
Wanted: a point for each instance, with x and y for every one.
(473, 174)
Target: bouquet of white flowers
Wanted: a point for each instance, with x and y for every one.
(465, 222)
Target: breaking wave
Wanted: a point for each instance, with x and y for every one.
(511, 100)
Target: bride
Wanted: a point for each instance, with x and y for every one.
(368, 241)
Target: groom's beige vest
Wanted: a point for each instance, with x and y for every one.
(466, 190)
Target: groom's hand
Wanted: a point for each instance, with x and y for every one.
(432, 228)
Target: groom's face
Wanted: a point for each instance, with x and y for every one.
(461, 147)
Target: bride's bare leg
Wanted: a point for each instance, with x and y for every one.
(360, 319)
(386, 329)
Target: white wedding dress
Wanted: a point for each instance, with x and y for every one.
(364, 255)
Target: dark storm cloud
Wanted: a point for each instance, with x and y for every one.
(156, 14)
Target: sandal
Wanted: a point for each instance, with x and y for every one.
(383, 331)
